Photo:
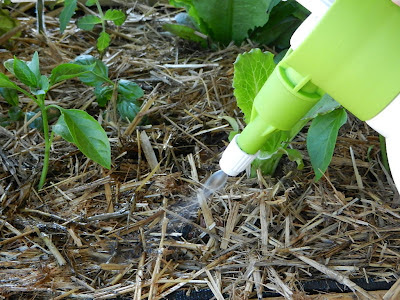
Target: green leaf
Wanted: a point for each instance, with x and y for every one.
(128, 109)
(62, 130)
(43, 86)
(235, 126)
(44, 83)
(281, 25)
(10, 95)
(275, 141)
(5, 82)
(251, 70)
(15, 113)
(116, 16)
(88, 22)
(280, 56)
(34, 65)
(103, 41)
(127, 104)
(68, 71)
(90, 2)
(88, 136)
(266, 166)
(24, 74)
(193, 14)
(231, 20)
(9, 65)
(232, 121)
(99, 73)
(129, 90)
(103, 94)
(187, 33)
(67, 12)
(321, 139)
(295, 155)
(323, 106)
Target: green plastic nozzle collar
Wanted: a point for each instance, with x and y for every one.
(283, 100)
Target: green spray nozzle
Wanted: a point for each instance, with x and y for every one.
(353, 54)
(283, 100)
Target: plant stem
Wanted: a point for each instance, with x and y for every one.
(382, 144)
(47, 140)
(101, 14)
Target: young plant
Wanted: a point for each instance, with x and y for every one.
(75, 126)
(126, 92)
(89, 21)
(237, 20)
(251, 70)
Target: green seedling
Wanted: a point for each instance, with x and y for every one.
(251, 70)
(125, 92)
(75, 126)
(89, 21)
(265, 21)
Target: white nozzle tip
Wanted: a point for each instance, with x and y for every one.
(234, 160)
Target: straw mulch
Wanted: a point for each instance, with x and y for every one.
(141, 230)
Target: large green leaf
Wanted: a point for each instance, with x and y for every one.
(231, 20)
(68, 71)
(251, 71)
(321, 139)
(67, 12)
(88, 136)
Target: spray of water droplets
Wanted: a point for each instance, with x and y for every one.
(189, 208)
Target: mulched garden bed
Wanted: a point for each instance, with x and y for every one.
(141, 230)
